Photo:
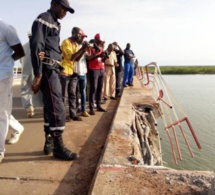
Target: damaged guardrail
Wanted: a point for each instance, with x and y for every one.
(169, 108)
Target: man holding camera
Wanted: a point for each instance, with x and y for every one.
(71, 53)
(96, 57)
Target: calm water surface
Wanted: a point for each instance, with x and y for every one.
(196, 94)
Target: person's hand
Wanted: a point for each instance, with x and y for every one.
(36, 84)
(85, 45)
(41, 55)
(116, 64)
(115, 43)
(104, 55)
(131, 56)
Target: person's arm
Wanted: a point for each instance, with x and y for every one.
(70, 52)
(37, 45)
(38, 42)
(120, 49)
(131, 55)
(91, 54)
(77, 56)
(18, 51)
(13, 41)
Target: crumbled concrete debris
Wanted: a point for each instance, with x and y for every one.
(168, 180)
(200, 181)
(155, 172)
(212, 189)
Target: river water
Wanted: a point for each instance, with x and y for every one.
(196, 94)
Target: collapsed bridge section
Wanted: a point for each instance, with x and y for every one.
(133, 142)
(133, 138)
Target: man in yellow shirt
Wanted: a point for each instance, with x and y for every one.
(71, 53)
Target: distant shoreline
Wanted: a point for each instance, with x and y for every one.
(174, 69)
(186, 69)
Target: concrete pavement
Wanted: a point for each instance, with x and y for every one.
(26, 170)
(103, 142)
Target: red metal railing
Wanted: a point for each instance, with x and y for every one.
(160, 89)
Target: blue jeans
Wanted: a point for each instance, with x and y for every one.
(82, 82)
(128, 73)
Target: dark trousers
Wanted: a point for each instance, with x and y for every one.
(54, 110)
(69, 83)
(96, 79)
(118, 82)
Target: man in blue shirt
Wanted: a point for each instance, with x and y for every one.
(10, 50)
(128, 66)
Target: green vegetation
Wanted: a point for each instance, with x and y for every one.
(186, 69)
(177, 69)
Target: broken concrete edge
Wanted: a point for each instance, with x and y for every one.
(102, 155)
(109, 161)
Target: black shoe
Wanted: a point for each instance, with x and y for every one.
(130, 85)
(92, 112)
(118, 96)
(60, 151)
(113, 98)
(68, 119)
(48, 147)
(78, 110)
(103, 101)
(65, 154)
(125, 86)
(77, 118)
(100, 109)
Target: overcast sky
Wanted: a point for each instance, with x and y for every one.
(169, 32)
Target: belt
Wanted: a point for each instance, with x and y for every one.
(109, 65)
(50, 61)
(54, 63)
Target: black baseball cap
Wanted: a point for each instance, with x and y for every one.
(65, 3)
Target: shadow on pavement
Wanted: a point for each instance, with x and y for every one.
(81, 172)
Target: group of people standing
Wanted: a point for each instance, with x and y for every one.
(61, 71)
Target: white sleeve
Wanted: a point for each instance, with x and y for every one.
(11, 36)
